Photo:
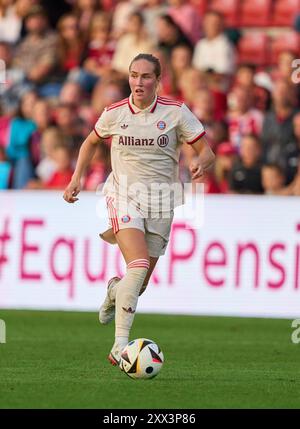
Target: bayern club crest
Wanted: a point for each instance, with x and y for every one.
(161, 125)
(125, 218)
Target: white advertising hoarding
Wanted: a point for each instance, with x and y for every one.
(243, 261)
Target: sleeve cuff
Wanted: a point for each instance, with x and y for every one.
(197, 138)
(97, 133)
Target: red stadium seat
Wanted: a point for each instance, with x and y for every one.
(256, 13)
(253, 48)
(229, 8)
(288, 41)
(285, 11)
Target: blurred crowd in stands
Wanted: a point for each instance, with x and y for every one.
(63, 62)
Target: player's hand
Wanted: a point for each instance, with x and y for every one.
(71, 191)
(196, 169)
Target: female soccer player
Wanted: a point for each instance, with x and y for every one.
(146, 132)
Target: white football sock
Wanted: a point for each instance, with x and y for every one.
(113, 291)
(122, 342)
(127, 293)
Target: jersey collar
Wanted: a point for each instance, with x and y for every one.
(134, 109)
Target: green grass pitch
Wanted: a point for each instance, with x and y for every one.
(58, 360)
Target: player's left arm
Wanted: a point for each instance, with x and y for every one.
(203, 160)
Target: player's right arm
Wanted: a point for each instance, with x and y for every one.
(86, 153)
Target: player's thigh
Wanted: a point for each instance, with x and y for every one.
(157, 234)
(132, 244)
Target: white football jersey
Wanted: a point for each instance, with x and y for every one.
(145, 146)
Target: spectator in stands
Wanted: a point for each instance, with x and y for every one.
(5, 170)
(101, 47)
(165, 87)
(122, 12)
(262, 91)
(51, 138)
(292, 150)
(84, 10)
(64, 171)
(288, 64)
(214, 51)
(66, 119)
(190, 82)
(245, 176)
(36, 54)
(18, 149)
(244, 76)
(276, 177)
(153, 9)
(187, 17)
(218, 134)
(10, 21)
(5, 121)
(42, 117)
(204, 108)
(284, 66)
(242, 117)
(273, 179)
(27, 103)
(181, 58)
(134, 41)
(99, 168)
(70, 43)
(215, 83)
(71, 93)
(170, 35)
(217, 181)
(55, 166)
(260, 84)
(277, 131)
(42, 114)
(109, 91)
(12, 85)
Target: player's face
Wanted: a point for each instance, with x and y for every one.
(143, 83)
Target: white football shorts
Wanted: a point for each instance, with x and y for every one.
(156, 229)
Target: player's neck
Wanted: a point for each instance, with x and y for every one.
(143, 104)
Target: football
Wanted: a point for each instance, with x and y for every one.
(141, 359)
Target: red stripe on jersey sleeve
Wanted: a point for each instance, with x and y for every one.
(168, 104)
(197, 138)
(118, 104)
(169, 100)
(116, 107)
(98, 133)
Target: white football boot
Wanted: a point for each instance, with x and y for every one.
(107, 309)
